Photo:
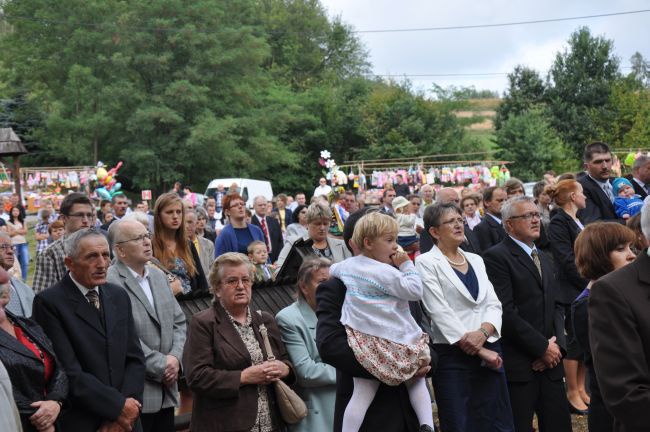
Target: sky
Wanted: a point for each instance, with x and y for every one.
(484, 50)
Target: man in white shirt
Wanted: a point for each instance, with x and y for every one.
(323, 188)
(426, 193)
(270, 227)
(159, 321)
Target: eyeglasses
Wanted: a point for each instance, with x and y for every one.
(139, 238)
(234, 282)
(239, 204)
(528, 216)
(89, 216)
(456, 221)
(6, 247)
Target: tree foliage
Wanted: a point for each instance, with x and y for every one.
(526, 90)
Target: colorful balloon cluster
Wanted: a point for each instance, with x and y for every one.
(108, 186)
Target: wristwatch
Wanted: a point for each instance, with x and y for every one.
(485, 333)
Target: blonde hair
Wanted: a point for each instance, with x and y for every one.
(252, 245)
(228, 259)
(372, 226)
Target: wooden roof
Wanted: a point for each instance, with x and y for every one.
(10, 144)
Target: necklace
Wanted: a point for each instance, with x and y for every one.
(456, 264)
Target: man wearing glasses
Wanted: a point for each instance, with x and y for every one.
(159, 321)
(22, 296)
(77, 212)
(533, 338)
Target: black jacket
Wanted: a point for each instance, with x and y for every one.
(599, 207)
(530, 313)
(562, 233)
(100, 352)
(275, 233)
(469, 245)
(488, 233)
(637, 188)
(26, 370)
(391, 408)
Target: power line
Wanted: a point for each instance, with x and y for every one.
(507, 24)
(451, 75)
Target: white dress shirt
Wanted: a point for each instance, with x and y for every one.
(143, 281)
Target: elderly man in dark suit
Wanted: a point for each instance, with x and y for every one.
(450, 196)
(489, 231)
(391, 408)
(159, 321)
(597, 185)
(533, 326)
(269, 226)
(619, 335)
(640, 177)
(91, 327)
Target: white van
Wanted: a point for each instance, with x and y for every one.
(248, 188)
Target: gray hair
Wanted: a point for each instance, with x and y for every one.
(645, 219)
(5, 236)
(71, 243)
(639, 162)
(228, 259)
(307, 270)
(201, 213)
(259, 197)
(507, 210)
(317, 211)
(137, 216)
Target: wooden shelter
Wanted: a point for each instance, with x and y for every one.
(10, 145)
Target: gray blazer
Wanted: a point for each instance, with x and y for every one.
(161, 331)
(9, 418)
(206, 254)
(25, 296)
(337, 246)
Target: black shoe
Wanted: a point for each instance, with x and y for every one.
(574, 410)
(426, 428)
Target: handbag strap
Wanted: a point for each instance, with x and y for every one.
(265, 337)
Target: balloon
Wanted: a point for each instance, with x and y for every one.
(116, 187)
(101, 173)
(107, 180)
(103, 193)
(629, 159)
(116, 193)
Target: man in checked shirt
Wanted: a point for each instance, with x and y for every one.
(76, 212)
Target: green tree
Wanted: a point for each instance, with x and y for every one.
(528, 139)
(526, 90)
(581, 79)
(640, 69)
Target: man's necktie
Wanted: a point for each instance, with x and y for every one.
(608, 191)
(537, 262)
(266, 233)
(93, 298)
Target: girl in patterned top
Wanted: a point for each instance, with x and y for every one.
(383, 335)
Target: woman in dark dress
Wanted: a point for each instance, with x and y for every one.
(601, 247)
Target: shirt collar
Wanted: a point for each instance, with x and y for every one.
(639, 182)
(495, 218)
(248, 321)
(600, 182)
(524, 246)
(136, 275)
(82, 288)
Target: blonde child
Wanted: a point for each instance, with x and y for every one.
(259, 256)
(383, 335)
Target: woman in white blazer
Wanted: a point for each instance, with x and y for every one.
(297, 322)
(465, 312)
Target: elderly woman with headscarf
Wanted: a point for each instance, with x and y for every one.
(297, 322)
(225, 360)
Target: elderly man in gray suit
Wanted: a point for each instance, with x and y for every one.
(159, 321)
(22, 296)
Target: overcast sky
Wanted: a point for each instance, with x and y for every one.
(486, 50)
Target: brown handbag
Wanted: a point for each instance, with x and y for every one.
(292, 407)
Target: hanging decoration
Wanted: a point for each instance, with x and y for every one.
(108, 186)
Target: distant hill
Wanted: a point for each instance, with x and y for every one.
(479, 119)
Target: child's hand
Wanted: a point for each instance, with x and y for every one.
(490, 358)
(399, 258)
(626, 216)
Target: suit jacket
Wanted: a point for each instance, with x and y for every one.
(391, 409)
(637, 187)
(562, 233)
(102, 357)
(337, 246)
(27, 371)
(316, 380)
(619, 332)
(160, 328)
(206, 254)
(489, 233)
(530, 313)
(214, 357)
(275, 233)
(599, 207)
(25, 296)
(451, 308)
(9, 418)
(469, 245)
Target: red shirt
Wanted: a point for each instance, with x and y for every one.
(47, 360)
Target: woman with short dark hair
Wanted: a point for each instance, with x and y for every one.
(237, 234)
(601, 248)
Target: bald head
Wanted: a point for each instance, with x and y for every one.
(448, 196)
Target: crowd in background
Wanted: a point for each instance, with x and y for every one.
(515, 306)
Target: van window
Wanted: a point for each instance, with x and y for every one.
(244, 194)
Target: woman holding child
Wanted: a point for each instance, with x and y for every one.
(465, 313)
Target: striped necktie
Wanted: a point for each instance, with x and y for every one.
(93, 299)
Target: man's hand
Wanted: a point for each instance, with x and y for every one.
(490, 358)
(552, 356)
(170, 375)
(472, 342)
(129, 415)
(110, 427)
(539, 365)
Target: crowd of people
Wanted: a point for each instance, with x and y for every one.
(514, 307)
